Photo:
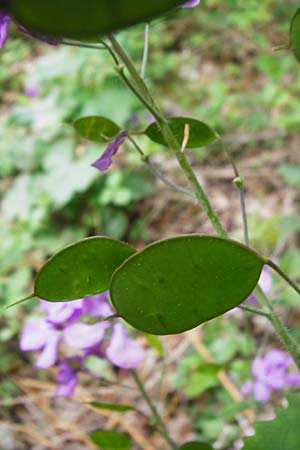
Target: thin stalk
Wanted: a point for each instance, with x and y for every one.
(139, 89)
(257, 311)
(283, 275)
(23, 300)
(82, 45)
(146, 51)
(159, 422)
(286, 338)
(157, 173)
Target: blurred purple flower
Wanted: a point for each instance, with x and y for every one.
(271, 373)
(4, 24)
(122, 351)
(31, 91)
(105, 160)
(67, 376)
(38, 334)
(76, 324)
(190, 4)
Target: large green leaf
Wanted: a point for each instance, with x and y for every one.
(200, 134)
(111, 440)
(81, 270)
(295, 35)
(196, 446)
(282, 433)
(96, 128)
(78, 19)
(176, 284)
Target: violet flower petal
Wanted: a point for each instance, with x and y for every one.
(48, 356)
(61, 312)
(190, 4)
(259, 368)
(84, 335)
(123, 351)
(277, 359)
(261, 392)
(67, 377)
(105, 160)
(4, 24)
(97, 306)
(247, 388)
(293, 379)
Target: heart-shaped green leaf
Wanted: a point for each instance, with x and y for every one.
(96, 128)
(282, 433)
(81, 270)
(196, 446)
(295, 35)
(79, 19)
(176, 284)
(111, 440)
(199, 134)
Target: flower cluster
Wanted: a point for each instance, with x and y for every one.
(271, 373)
(80, 327)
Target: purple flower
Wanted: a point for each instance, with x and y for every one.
(4, 24)
(271, 373)
(67, 376)
(76, 324)
(122, 351)
(105, 160)
(38, 334)
(190, 4)
(31, 91)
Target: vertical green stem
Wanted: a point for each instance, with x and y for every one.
(140, 89)
(159, 422)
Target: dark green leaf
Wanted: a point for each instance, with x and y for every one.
(295, 35)
(176, 284)
(200, 134)
(81, 269)
(196, 446)
(71, 18)
(96, 128)
(112, 407)
(282, 433)
(111, 440)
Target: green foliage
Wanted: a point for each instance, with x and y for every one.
(195, 446)
(111, 440)
(97, 129)
(282, 433)
(295, 35)
(70, 18)
(290, 174)
(112, 407)
(81, 270)
(199, 134)
(176, 284)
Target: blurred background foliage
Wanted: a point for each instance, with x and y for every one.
(215, 63)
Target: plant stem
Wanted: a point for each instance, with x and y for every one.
(288, 340)
(146, 50)
(257, 311)
(159, 422)
(141, 91)
(283, 275)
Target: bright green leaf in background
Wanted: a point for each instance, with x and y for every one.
(112, 407)
(295, 35)
(96, 128)
(282, 433)
(81, 269)
(196, 446)
(111, 440)
(199, 133)
(176, 284)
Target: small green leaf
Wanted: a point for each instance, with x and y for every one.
(112, 407)
(200, 134)
(111, 440)
(282, 433)
(155, 343)
(96, 128)
(176, 284)
(295, 35)
(196, 446)
(81, 269)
